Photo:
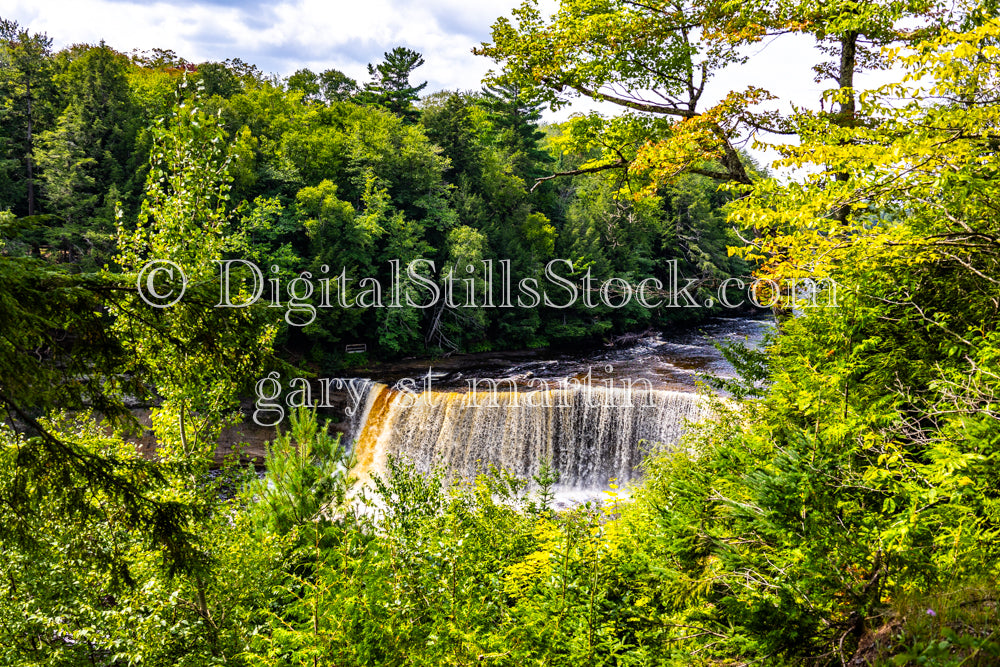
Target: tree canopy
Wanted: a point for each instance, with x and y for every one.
(837, 507)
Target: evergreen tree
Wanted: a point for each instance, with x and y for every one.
(390, 86)
(515, 117)
(451, 127)
(26, 108)
(89, 160)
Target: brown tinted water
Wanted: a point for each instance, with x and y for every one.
(592, 413)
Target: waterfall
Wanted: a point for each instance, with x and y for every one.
(590, 435)
(358, 403)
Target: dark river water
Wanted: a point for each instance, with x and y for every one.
(673, 360)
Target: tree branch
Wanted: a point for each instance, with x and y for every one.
(577, 172)
(638, 106)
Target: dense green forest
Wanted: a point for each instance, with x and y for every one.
(322, 172)
(841, 507)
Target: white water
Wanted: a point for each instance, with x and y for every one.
(591, 435)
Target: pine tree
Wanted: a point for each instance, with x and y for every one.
(515, 117)
(390, 86)
(89, 159)
(27, 92)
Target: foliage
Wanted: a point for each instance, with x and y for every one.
(87, 159)
(307, 475)
(198, 356)
(863, 476)
(470, 162)
(657, 62)
(92, 589)
(390, 86)
(839, 508)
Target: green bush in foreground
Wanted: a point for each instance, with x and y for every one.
(847, 513)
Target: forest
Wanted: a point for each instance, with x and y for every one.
(321, 172)
(840, 505)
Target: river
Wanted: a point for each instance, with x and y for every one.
(592, 413)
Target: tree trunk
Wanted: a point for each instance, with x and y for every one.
(845, 80)
(848, 55)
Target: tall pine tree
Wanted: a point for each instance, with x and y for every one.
(89, 160)
(26, 108)
(390, 86)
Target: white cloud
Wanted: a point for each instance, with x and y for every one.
(348, 34)
(282, 38)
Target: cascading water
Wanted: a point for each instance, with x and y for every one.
(590, 434)
(593, 415)
(358, 403)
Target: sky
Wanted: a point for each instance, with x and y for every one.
(285, 35)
